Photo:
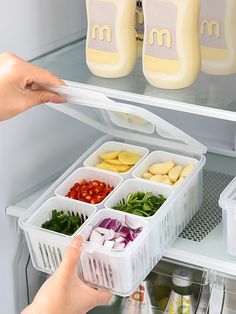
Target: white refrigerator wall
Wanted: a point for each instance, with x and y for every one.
(32, 28)
(41, 141)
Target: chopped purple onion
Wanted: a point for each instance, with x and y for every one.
(124, 231)
(114, 224)
(110, 235)
(96, 238)
(104, 223)
(119, 239)
(109, 244)
(119, 246)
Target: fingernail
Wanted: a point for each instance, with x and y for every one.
(77, 242)
(58, 99)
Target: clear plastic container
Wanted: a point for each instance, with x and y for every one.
(48, 246)
(227, 202)
(79, 174)
(112, 146)
(119, 271)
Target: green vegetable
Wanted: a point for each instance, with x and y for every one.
(62, 223)
(141, 204)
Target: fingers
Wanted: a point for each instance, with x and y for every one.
(72, 256)
(41, 97)
(41, 76)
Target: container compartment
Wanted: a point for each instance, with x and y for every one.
(112, 146)
(119, 271)
(46, 246)
(152, 295)
(89, 174)
(223, 296)
(171, 218)
(227, 202)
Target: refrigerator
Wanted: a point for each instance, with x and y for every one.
(40, 145)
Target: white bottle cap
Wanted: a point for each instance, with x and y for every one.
(182, 277)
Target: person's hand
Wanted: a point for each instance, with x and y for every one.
(64, 292)
(16, 78)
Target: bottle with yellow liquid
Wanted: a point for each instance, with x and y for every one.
(111, 38)
(217, 29)
(139, 27)
(171, 48)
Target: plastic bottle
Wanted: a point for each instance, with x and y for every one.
(111, 38)
(171, 49)
(181, 300)
(217, 29)
(139, 27)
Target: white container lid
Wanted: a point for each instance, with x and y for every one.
(182, 277)
(123, 120)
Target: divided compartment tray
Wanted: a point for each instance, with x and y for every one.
(119, 271)
(112, 146)
(48, 246)
(161, 233)
(89, 174)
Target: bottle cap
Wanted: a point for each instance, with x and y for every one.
(182, 277)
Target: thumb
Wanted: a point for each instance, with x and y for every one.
(72, 256)
(42, 96)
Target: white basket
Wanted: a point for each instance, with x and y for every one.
(169, 220)
(118, 271)
(140, 185)
(192, 184)
(227, 202)
(111, 146)
(47, 247)
(78, 175)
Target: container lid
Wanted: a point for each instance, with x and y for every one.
(123, 120)
(228, 196)
(182, 277)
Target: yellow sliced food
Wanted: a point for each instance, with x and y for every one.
(108, 156)
(137, 120)
(162, 168)
(186, 171)
(157, 178)
(167, 181)
(122, 168)
(114, 162)
(128, 158)
(179, 181)
(105, 166)
(174, 173)
(146, 175)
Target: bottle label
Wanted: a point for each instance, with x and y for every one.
(102, 37)
(180, 304)
(212, 30)
(160, 39)
(139, 23)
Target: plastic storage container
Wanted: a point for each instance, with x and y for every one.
(112, 146)
(227, 202)
(48, 246)
(160, 231)
(112, 179)
(116, 270)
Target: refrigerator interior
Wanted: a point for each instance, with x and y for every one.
(205, 110)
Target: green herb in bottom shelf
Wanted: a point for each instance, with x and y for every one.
(141, 204)
(62, 222)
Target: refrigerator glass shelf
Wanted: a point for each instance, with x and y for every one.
(213, 96)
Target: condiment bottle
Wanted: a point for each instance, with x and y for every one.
(181, 300)
(111, 37)
(217, 29)
(171, 48)
(139, 27)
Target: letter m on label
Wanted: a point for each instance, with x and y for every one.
(102, 31)
(212, 27)
(162, 36)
